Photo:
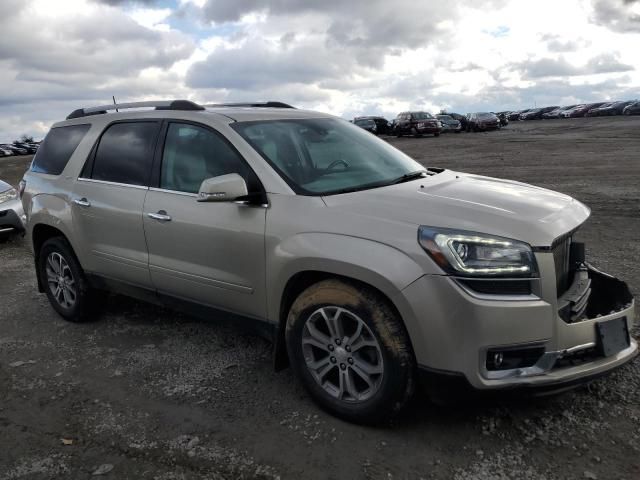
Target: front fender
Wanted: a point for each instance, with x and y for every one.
(379, 265)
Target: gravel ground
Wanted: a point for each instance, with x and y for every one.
(148, 393)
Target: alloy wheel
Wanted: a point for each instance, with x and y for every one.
(60, 280)
(342, 354)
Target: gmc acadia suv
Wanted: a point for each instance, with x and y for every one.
(366, 269)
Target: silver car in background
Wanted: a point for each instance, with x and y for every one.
(367, 270)
(11, 212)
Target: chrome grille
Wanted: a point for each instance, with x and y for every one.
(561, 249)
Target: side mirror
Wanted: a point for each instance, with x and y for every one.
(224, 188)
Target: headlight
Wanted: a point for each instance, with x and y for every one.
(477, 254)
(7, 195)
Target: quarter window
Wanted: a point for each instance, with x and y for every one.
(193, 154)
(57, 148)
(125, 153)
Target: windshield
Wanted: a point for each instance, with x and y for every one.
(364, 122)
(322, 156)
(486, 115)
(444, 117)
(421, 115)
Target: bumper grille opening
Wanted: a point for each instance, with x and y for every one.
(498, 287)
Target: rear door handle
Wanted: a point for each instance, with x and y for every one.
(83, 202)
(161, 216)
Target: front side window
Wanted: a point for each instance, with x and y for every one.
(193, 154)
(125, 153)
(325, 155)
(57, 148)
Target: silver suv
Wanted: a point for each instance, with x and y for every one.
(367, 270)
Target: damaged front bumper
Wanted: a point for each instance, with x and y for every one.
(498, 342)
(596, 315)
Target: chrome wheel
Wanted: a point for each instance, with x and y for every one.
(342, 354)
(60, 280)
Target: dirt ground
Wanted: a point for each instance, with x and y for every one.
(148, 393)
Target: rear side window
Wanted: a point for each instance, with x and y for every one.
(125, 153)
(57, 148)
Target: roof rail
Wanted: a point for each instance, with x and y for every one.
(252, 104)
(157, 104)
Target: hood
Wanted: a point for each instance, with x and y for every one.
(470, 202)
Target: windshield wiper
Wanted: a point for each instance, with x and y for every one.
(407, 177)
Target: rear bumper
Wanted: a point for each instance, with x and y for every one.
(455, 332)
(11, 214)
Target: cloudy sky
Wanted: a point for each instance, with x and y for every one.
(343, 57)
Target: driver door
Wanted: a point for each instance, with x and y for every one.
(209, 252)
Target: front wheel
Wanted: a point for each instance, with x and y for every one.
(351, 351)
(437, 134)
(64, 281)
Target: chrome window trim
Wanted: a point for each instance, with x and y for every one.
(116, 184)
(176, 192)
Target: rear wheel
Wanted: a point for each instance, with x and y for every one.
(351, 351)
(64, 281)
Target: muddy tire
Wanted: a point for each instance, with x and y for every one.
(64, 282)
(351, 351)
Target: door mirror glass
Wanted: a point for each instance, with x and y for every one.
(224, 188)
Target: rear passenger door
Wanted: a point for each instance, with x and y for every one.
(208, 252)
(108, 201)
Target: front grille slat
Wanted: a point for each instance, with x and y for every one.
(561, 257)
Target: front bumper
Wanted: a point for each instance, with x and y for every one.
(11, 217)
(454, 330)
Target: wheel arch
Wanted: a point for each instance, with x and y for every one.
(297, 284)
(40, 233)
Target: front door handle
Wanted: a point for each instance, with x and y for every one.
(161, 216)
(83, 202)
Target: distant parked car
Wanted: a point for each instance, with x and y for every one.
(503, 117)
(536, 113)
(11, 211)
(5, 152)
(633, 109)
(515, 115)
(25, 146)
(366, 124)
(461, 118)
(482, 121)
(608, 109)
(14, 149)
(382, 124)
(449, 124)
(557, 112)
(417, 123)
(581, 110)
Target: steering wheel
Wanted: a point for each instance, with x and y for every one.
(336, 163)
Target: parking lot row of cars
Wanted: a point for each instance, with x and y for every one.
(420, 123)
(18, 148)
(597, 109)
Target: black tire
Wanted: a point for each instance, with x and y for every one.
(396, 382)
(86, 301)
(437, 134)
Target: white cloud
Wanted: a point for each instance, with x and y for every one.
(361, 56)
